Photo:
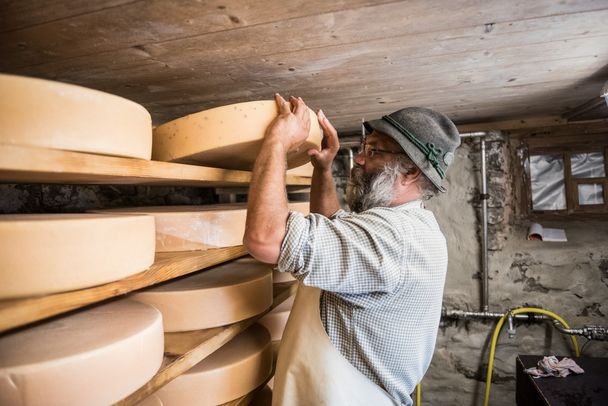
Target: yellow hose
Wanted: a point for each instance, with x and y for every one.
(418, 394)
(497, 332)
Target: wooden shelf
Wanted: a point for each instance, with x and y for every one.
(193, 346)
(19, 312)
(19, 164)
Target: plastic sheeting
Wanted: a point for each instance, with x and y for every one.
(590, 194)
(588, 165)
(547, 179)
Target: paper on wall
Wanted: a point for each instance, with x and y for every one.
(538, 232)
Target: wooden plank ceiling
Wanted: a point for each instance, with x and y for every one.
(476, 61)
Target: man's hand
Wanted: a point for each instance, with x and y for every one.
(323, 198)
(323, 159)
(290, 128)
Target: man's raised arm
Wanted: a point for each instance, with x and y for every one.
(267, 209)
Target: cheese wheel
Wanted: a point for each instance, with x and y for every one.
(229, 373)
(304, 170)
(189, 228)
(277, 277)
(302, 207)
(280, 277)
(276, 320)
(48, 253)
(226, 137)
(42, 113)
(93, 357)
(221, 295)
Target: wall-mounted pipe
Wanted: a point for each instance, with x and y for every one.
(484, 239)
(468, 315)
(484, 214)
(591, 332)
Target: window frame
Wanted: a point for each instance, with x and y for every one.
(564, 142)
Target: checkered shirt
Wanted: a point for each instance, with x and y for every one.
(382, 274)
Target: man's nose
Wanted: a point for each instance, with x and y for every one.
(360, 158)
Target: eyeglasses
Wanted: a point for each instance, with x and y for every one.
(369, 151)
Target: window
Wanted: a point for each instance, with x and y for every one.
(561, 171)
(569, 181)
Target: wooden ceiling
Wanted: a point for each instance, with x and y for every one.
(476, 61)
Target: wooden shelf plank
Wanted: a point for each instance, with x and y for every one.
(19, 312)
(194, 346)
(19, 164)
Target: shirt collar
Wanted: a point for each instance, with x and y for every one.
(414, 204)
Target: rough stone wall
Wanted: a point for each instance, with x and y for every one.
(570, 279)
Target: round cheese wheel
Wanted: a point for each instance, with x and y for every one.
(280, 277)
(276, 320)
(302, 207)
(189, 228)
(93, 357)
(233, 371)
(304, 170)
(226, 137)
(215, 297)
(43, 113)
(48, 253)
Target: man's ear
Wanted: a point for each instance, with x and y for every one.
(410, 177)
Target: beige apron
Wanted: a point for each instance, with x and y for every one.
(311, 371)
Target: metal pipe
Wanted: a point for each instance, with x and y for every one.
(591, 331)
(564, 330)
(351, 159)
(484, 215)
(510, 326)
(484, 240)
(468, 315)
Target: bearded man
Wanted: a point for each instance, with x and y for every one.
(363, 325)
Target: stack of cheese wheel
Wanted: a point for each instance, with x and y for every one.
(215, 297)
(231, 372)
(42, 113)
(48, 253)
(94, 357)
(276, 319)
(226, 137)
(189, 228)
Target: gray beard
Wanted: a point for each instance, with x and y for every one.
(365, 191)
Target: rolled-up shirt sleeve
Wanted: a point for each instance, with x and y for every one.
(347, 253)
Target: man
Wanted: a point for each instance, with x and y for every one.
(363, 326)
